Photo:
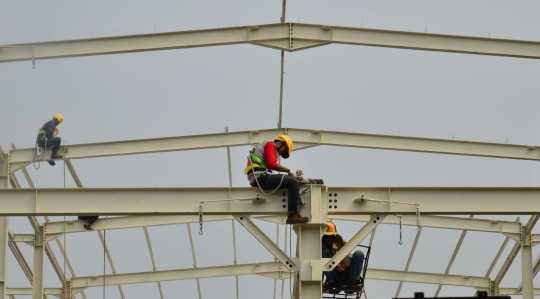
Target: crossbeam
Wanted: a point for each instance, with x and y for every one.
(302, 137)
(345, 201)
(446, 222)
(281, 36)
(266, 269)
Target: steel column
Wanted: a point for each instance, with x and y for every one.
(526, 264)
(39, 252)
(3, 255)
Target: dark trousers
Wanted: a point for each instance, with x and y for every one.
(271, 182)
(350, 275)
(54, 142)
(90, 219)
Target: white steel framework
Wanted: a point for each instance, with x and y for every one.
(144, 207)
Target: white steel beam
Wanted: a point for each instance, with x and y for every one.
(39, 253)
(181, 274)
(411, 254)
(3, 255)
(513, 253)
(526, 264)
(281, 36)
(28, 291)
(446, 222)
(514, 291)
(454, 255)
(264, 240)
(270, 269)
(301, 137)
(55, 228)
(431, 278)
(354, 241)
(186, 201)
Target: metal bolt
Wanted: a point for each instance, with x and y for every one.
(378, 218)
(330, 194)
(283, 206)
(330, 206)
(335, 194)
(335, 207)
(284, 200)
(241, 218)
(333, 263)
(374, 221)
(284, 194)
(335, 200)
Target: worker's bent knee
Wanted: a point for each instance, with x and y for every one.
(358, 254)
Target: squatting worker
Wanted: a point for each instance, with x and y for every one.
(262, 160)
(346, 275)
(48, 136)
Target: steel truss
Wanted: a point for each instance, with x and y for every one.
(181, 205)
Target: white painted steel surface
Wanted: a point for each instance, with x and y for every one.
(281, 36)
(301, 137)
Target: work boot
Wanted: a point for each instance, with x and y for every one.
(51, 162)
(56, 156)
(295, 217)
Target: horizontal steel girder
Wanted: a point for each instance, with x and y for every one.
(472, 224)
(281, 36)
(186, 201)
(265, 269)
(19, 158)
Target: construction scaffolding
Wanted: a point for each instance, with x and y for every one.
(433, 207)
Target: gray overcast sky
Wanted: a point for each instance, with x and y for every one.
(336, 87)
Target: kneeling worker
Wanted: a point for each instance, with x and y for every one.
(262, 160)
(48, 136)
(348, 271)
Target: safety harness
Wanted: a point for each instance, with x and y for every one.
(256, 164)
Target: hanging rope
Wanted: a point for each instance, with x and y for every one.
(104, 250)
(400, 230)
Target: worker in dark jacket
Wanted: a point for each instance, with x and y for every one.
(348, 271)
(48, 136)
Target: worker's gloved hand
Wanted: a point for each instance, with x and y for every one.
(291, 173)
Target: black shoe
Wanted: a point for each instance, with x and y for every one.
(354, 286)
(328, 286)
(51, 163)
(56, 156)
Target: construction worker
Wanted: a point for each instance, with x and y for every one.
(48, 136)
(262, 160)
(90, 220)
(348, 271)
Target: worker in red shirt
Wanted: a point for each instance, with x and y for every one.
(262, 160)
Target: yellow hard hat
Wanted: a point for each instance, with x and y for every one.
(59, 117)
(287, 141)
(331, 229)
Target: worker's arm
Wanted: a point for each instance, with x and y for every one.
(56, 132)
(271, 159)
(339, 240)
(49, 129)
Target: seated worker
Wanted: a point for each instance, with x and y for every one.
(48, 136)
(90, 220)
(348, 271)
(262, 160)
